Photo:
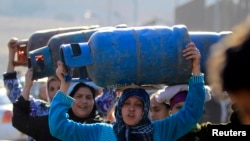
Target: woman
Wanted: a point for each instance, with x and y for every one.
(176, 95)
(132, 121)
(158, 110)
(228, 73)
(38, 107)
(30, 115)
(53, 84)
(83, 110)
(14, 88)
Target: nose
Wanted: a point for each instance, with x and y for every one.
(84, 100)
(131, 107)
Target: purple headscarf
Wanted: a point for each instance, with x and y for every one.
(179, 97)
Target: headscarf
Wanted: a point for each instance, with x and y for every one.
(143, 131)
(94, 116)
(106, 101)
(166, 94)
(179, 97)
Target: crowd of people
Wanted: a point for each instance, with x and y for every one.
(75, 111)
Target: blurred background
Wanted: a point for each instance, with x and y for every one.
(21, 18)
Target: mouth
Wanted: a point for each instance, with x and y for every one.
(131, 116)
(83, 107)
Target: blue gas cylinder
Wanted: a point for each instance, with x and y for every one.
(40, 38)
(43, 60)
(132, 55)
(203, 41)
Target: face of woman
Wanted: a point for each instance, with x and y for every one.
(132, 110)
(84, 102)
(43, 92)
(242, 99)
(53, 87)
(176, 108)
(158, 110)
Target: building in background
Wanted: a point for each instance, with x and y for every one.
(212, 15)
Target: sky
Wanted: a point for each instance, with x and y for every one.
(19, 18)
(104, 12)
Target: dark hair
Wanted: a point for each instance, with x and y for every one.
(236, 74)
(228, 63)
(80, 85)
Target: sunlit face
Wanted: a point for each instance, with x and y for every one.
(84, 102)
(43, 92)
(158, 110)
(242, 100)
(53, 87)
(132, 110)
(176, 108)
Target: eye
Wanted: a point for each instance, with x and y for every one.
(78, 96)
(51, 89)
(126, 103)
(138, 105)
(178, 107)
(89, 97)
(157, 109)
(154, 109)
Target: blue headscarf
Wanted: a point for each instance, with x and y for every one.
(143, 131)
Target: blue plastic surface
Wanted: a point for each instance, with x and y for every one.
(40, 38)
(123, 56)
(43, 68)
(51, 51)
(84, 57)
(138, 55)
(204, 41)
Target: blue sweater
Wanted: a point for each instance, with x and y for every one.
(168, 129)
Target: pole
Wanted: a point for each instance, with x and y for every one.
(109, 12)
(217, 16)
(135, 14)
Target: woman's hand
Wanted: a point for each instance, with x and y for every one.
(28, 84)
(28, 78)
(12, 47)
(61, 72)
(191, 52)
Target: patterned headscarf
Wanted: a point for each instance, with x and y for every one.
(143, 131)
(106, 101)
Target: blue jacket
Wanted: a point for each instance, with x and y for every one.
(168, 129)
